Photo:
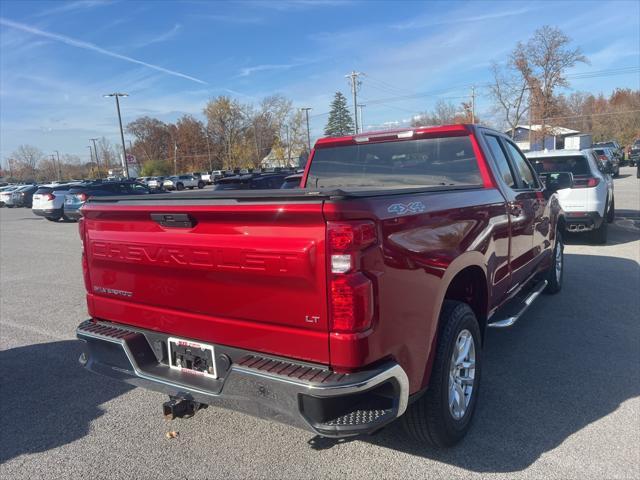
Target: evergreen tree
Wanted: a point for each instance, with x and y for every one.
(340, 121)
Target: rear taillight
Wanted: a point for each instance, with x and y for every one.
(586, 182)
(351, 291)
(49, 196)
(82, 197)
(85, 264)
(81, 228)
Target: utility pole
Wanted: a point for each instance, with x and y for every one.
(206, 134)
(360, 107)
(59, 167)
(473, 104)
(91, 159)
(53, 162)
(175, 158)
(125, 166)
(95, 149)
(288, 146)
(306, 111)
(355, 83)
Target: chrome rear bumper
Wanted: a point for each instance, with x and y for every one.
(305, 395)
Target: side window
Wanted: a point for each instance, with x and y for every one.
(524, 169)
(501, 159)
(138, 188)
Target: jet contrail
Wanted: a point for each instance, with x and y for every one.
(90, 46)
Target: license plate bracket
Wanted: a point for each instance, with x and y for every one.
(192, 357)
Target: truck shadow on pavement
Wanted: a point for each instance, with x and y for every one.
(47, 399)
(569, 362)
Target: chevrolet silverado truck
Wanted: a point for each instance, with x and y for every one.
(361, 297)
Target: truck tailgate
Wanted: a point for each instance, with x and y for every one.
(245, 274)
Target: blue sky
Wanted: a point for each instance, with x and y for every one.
(57, 58)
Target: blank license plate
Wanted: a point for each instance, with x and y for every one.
(192, 357)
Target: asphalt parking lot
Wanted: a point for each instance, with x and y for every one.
(559, 398)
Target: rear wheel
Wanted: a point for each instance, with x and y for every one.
(599, 235)
(555, 273)
(442, 416)
(200, 185)
(52, 219)
(611, 214)
(179, 186)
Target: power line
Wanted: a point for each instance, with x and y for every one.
(587, 115)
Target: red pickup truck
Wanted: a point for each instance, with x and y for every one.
(361, 297)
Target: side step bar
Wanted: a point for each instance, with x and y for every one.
(526, 303)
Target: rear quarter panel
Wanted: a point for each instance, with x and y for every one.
(420, 252)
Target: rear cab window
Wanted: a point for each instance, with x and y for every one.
(396, 164)
(576, 164)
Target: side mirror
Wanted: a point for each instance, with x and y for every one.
(557, 181)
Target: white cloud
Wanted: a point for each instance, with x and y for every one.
(92, 47)
(163, 37)
(455, 19)
(69, 7)
(245, 72)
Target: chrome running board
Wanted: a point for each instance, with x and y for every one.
(526, 303)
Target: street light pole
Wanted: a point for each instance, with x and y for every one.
(125, 165)
(306, 112)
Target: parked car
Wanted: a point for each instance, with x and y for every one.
(251, 181)
(606, 155)
(589, 205)
(78, 195)
(617, 150)
(216, 175)
(634, 153)
(155, 183)
(180, 182)
(292, 181)
(6, 194)
(23, 197)
(48, 201)
(377, 284)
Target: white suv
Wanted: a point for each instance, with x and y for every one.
(589, 205)
(48, 201)
(180, 182)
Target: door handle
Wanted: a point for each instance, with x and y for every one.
(515, 208)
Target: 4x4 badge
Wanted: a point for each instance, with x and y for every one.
(407, 208)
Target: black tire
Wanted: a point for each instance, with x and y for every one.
(552, 276)
(429, 419)
(611, 213)
(180, 186)
(200, 185)
(191, 188)
(10, 206)
(52, 219)
(599, 235)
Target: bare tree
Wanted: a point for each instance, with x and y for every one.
(510, 93)
(153, 141)
(228, 121)
(543, 62)
(107, 156)
(25, 162)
